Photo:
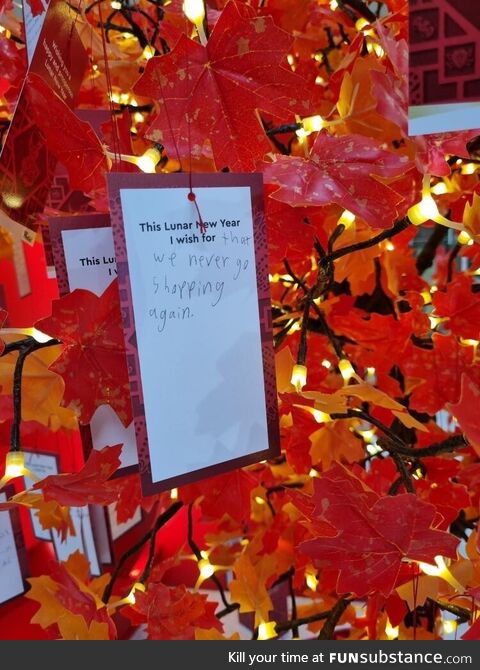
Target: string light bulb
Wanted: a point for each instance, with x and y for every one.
(148, 52)
(347, 219)
(313, 124)
(311, 580)
(391, 631)
(267, 630)
(194, 10)
(346, 369)
(441, 570)
(15, 467)
(299, 377)
(147, 162)
(465, 238)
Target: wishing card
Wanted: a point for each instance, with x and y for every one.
(58, 63)
(42, 465)
(33, 25)
(444, 66)
(196, 313)
(83, 540)
(84, 257)
(12, 553)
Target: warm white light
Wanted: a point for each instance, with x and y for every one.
(391, 631)
(148, 52)
(464, 238)
(267, 630)
(299, 377)
(206, 568)
(14, 465)
(39, 336)
(321, 417)
(312, 581)
(326, 364)
(346, 219)
(425, 210)
(346, 369)
(194, 10)
(312, 124)
(449, 626)
(116, 5)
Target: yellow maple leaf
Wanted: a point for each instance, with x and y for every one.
(248, 588)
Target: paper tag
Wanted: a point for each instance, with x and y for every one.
(84, 257)
(196, 309)
(33, 26)
(42, 465)
(11, 579)
(444, 66)
(82, 541)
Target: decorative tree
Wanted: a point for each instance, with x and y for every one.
(366, 525)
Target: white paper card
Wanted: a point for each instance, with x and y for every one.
(118, 529)
(195, 304)
(90, 262)
(11, 581)
(90, 258)
(42, 465)
(82, 541)
(33, 26)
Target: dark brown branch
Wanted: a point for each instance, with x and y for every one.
(399, 227)
(25, 347)
(198, 555)
(161, 521)
(427, 255)
(332, 619)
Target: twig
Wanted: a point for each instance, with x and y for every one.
(332, 619)
(161, 521)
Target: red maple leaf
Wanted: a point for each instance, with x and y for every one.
(36, 6)
(461, 306)
(341, 170)
(466, 411)
(93, 363)
(374, 534)
(87, 486)
(173, 613)
(72, 141)
(211, 94)
(224, 494)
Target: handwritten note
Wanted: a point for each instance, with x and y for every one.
(11, 580)
(196, 308)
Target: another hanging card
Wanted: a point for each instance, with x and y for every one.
(58, 63)
(444, 68)
(33, 25)
(12, 552)
(197, 319)
(42, 465)
(84, 257)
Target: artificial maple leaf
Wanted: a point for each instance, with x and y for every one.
(210, 94)
(72, 141)
(173, 613)
(49, 513)
(87, 486)
(12, 64)
(466, 411)
(471, 217)
(69, 603)
(129, 497)
(224, 494)
(335, 442)
(248, 588)
(461, 306)
(42, 389)
(37, 7)
(93, 363)
(341, 170)
(373, 534)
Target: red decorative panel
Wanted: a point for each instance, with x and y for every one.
(444, 51)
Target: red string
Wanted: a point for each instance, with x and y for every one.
(191, 195)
